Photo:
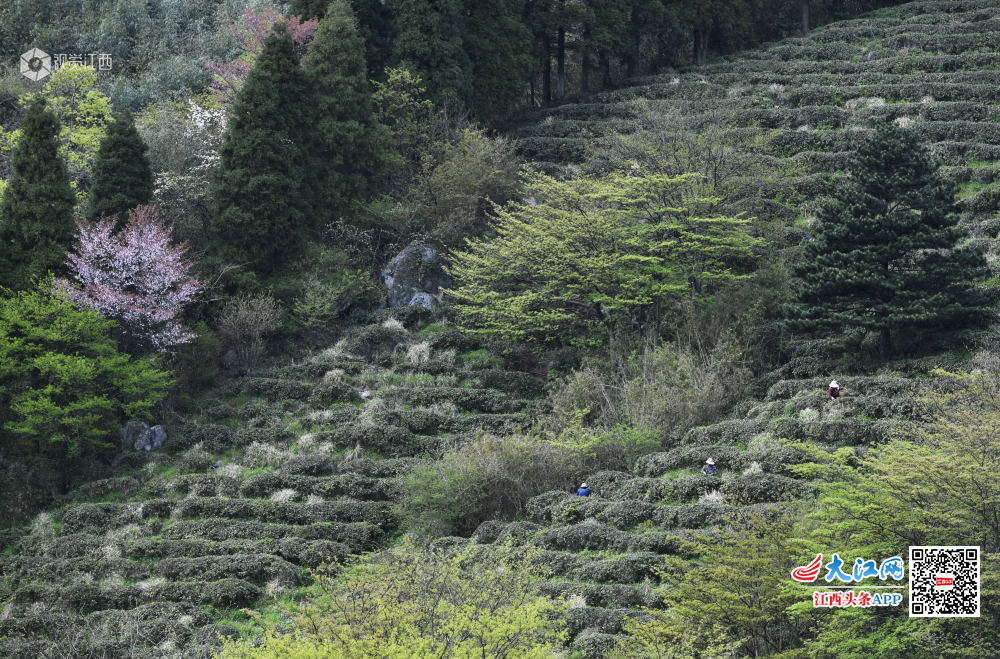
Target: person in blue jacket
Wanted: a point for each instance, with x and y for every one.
(583, 491)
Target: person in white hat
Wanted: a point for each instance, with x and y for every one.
(584, 491)
(834, 391)
(709, 468)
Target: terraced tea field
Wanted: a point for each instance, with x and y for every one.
(288, 468)
(602, 550)
(282, 469)
(787, 115)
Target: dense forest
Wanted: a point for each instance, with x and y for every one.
(510, 328)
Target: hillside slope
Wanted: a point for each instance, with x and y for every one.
(281, 469)
(277, 471)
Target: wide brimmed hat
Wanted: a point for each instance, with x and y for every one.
(710, 461)
(584, 485)
(835, 385)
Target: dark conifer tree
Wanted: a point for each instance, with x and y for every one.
(499, 45)
(265, 189)
(36, 211)
(429, 39)
(352, 147)
(122, 175)
(887, 254)
(375, 26)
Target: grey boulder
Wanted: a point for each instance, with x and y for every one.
(141, 437)
(415, 276)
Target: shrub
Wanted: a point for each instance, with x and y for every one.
(488, 477)
(328, 392)
(761, 488)
(257, 569)
(429, 603)
(64, 388)
(197, 361)
(275, 389)
(244, 325)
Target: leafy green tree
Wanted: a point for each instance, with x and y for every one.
(265, 188)
(429, 39)
(735, 598)
(499, 45)
(352, 145)
(411, 604)
(123, 177)
(595, 252)
(887, 254)
(36, 210)
(933, 483)
(83, 114)
(64, 388)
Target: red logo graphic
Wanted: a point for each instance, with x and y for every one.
(808, 573)
(944, 581)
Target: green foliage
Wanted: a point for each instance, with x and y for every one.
(351, 144)
(499, 45)
(429, 39)
(122, 176)
(595, 251)
(408, 603)
(332, 288)
(265, 187)
(740, 591)
(929, 485)
(64, 389)
(197, 361)
(456, 189)
(84, 114)
(36, 210)
(488, 477)
(887, 254)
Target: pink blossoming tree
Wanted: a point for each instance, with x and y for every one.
(250, 32)
(135, 277)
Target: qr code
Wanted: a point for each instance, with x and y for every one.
(944, 582)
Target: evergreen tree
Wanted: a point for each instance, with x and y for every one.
(36, 211)
(352, 146)
(886, 255)
(122, 177)
(374, 25)
(265, 187)
(430, 41)
(499, 45)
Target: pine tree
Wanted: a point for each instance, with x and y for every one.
(36, 211)
(499, 45)
(265, 187)
(430, 41)
(352, 146)
(122, 177)
(886, 255)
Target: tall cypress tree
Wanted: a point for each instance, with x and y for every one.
(886, 255)
(500, 47)
(429, 38)
(122, 176)
(36, 211)
(265, 187)
(352, 146)
(374, 25)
